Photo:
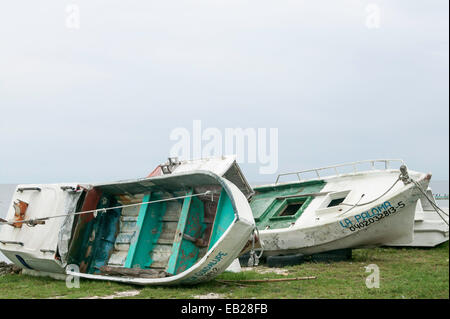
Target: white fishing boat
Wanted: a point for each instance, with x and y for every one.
(429, 228)
(358, 205)
(174, 229)
(430, 223)
(225, 166)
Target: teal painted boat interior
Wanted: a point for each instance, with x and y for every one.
(170, 236)
(149, 229)
(224, 218)
(184, 252)
(97, 237)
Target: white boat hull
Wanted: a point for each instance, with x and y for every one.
(390, 219)
(37, 251)
(429, 229)
(36, 247)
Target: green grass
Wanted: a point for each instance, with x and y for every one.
(404, 273)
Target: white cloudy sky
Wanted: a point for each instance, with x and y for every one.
(99, 103)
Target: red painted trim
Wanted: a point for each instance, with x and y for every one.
(156, 172)
(90, 202)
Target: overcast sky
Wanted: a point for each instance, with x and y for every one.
(99, 102)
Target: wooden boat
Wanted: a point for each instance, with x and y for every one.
(174, 229)
(353, 209)
(225, 166)
(430, 226)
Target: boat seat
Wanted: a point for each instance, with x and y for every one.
(184, 251)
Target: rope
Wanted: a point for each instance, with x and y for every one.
(369, 202)
(34, 222)
(260, 242)
(253, 260)
(436, 207)
(238, 281)
(352, 206)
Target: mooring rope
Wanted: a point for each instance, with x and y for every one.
(369, 202)
(253, 260)
(36, 221)
(436, 207)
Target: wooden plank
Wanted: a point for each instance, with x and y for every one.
(268, 280)
(161, 255)
(128, 227)
(139, 223)
(133, 210)
(121, 246)
(171, 267)
(168, 231)
(118, 258)
(132, 272)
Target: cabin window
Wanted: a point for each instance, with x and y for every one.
(333, 199)
(335, 202)
(288, 209)
(291, 209)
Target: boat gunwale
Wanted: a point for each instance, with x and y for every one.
(199, 263)
(330, 178)
(295, 227)
(352, 164)
(164, 280)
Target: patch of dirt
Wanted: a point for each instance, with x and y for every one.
(266, 270)
(211, 295)
(9, 269)
(120, 294)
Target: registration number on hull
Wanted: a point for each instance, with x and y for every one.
(371, 216)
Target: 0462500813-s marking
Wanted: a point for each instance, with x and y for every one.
(371, 216)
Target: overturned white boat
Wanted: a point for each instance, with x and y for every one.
(175, 229)
(431, 226)
(224, 166)
(352, 209)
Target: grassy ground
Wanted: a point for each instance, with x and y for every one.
(404, 273)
